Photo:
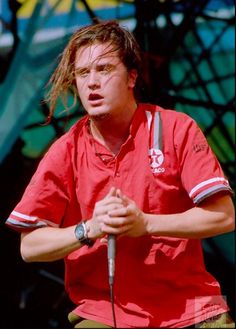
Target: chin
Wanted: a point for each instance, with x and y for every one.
(99, 116)
(97, 113)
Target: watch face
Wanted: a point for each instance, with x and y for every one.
(81, 235)
(79, 232)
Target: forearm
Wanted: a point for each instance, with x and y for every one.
(48, 244)
(199, 222)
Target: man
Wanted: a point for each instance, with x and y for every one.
(137, 172)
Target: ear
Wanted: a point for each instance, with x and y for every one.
(133, 74)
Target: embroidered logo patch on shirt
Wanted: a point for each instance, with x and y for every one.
(156, 158)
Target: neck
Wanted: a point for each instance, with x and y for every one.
(111, 132)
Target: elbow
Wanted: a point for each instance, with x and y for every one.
(231, 218)
(228, 222)
(25, 255)
(223, 214)
(223, 225)
(25, 249)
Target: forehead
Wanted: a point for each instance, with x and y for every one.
(95, 53)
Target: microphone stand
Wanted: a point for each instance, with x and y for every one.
(111, 254)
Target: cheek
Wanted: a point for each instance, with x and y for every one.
(118, 84)
(80, 87)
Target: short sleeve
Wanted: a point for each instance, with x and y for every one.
(200, 170)
(47, 195)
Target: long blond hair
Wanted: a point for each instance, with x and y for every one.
(122, 41)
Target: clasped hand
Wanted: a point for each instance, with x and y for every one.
(118, 215)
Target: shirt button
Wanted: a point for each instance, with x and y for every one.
(117, 174)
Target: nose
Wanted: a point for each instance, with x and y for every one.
(93, 80)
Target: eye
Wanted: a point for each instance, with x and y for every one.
(82, 73)
(105, 69)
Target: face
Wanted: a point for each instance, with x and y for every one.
(103, 83)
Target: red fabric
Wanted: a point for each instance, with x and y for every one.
(159, 281)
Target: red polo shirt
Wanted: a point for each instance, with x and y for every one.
(165, 166)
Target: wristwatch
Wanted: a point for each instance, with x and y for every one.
(81, 234)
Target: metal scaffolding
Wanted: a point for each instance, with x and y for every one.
(189, 63)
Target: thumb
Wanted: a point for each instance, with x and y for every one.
(123, 197)
(112, 192)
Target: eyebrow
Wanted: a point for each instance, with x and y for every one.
(97, 66)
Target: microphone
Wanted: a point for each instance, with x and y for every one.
(111, 254)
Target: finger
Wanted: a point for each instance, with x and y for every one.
(125, 230)
(104, 240)
(120, 231)
(123, 197)
(133, 210)
(112, 192)
(113, 200)
(114, 222)
(118, 212)
(109, 200)
(119, 193)
(108, 206)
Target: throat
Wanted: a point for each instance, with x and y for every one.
(112, 139)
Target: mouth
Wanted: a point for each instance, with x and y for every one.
(94, 97)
